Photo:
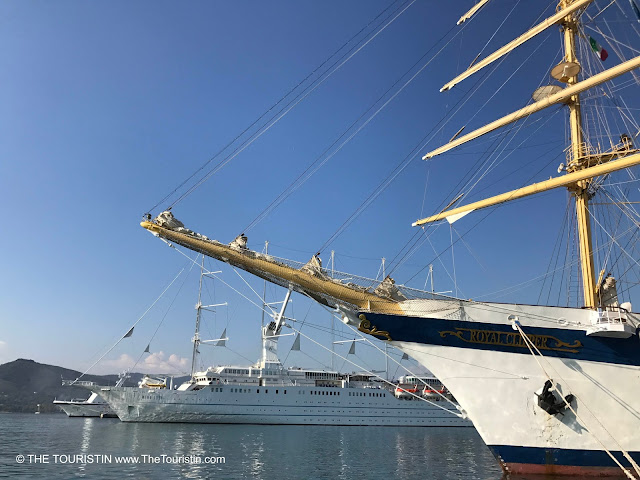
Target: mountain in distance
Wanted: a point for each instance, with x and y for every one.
(25, 383)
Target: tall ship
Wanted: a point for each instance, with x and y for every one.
(550, 389)
(269, 393)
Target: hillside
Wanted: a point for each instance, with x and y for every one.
(25, 383)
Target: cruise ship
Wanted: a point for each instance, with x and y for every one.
(274, 395)
(269, 393)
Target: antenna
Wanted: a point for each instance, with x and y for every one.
(196, 336)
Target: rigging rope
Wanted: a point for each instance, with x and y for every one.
(163, 317)
(130, 328)
(386, 354)
(315, 166)
(368, 372)
(478, 222)
(289, 106)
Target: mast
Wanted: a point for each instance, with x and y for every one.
(386, 352)
(333, 318)
(584, 163)
(581, 189)
(196, 336)
(270, 335)
(264, 289)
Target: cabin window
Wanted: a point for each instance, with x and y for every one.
(276, 391)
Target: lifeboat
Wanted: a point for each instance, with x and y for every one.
(406, 391)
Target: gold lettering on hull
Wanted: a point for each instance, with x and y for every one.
(365, 326)
(509, 339)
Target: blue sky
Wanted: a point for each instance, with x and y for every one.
(107, 106)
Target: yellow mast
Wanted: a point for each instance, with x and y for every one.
(580, 191)
(581, 158)
(570, 180)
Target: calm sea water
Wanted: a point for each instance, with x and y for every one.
(249, 451)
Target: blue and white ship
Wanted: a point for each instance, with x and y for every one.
(551, 390)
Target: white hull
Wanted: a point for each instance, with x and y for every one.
(85, 409)
(270, 405)
(492, 374)
(508, 412)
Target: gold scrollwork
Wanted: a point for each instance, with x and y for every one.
(560, 344)
(365, 327)
(455, 334)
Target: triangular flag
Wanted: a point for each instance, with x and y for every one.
(146, 350)
(129, 333)
(405, 357)
(457, 216)
(222, 343)
(352, 348)
(296, 344)
(595, 46)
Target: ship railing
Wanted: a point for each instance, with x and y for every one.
(81, 383)
(587, 150)
(362, 283)
(611, 315)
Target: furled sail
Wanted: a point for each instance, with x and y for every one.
(564, 181)
(559, 97)
(541, 27)
(310, 279)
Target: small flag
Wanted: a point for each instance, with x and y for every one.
(404, 357)
(146, 350)
(352, 349)
(636, 9)
(222, 343)
(601, 52)
(296, 344)
(129, 333)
